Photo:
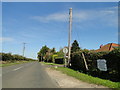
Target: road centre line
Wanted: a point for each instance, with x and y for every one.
(18, 68)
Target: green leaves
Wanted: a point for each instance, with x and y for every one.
(112, 58)
(75, 46)
(12, 58)
(45, 54)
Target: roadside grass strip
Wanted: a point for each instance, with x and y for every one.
(13, 63)
(50, 63)
(88, 78)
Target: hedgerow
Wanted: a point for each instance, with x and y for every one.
(112, 59)
(10, 57)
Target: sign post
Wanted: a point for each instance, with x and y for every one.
(65, 50)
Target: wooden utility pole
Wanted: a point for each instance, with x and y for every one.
(24, 49)
(69, 35)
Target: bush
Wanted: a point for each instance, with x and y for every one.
(112, 58)
(59, 60)
(113, 64)
(13, 58)
(77, 62)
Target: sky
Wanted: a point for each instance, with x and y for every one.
(47, 23)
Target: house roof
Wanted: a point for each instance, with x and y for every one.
(107, 47)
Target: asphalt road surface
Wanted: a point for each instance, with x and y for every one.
(27, 75)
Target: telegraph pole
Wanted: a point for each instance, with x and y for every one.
(69, 35)
(24, 49)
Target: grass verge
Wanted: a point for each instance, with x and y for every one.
(50, 63)
(13, 63)
(88, 78)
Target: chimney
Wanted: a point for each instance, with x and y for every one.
(101, 45)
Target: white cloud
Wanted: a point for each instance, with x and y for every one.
(52, 17)
(60, 17)
(106, 15)
(6, 39)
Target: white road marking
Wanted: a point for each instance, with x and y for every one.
(17, 68)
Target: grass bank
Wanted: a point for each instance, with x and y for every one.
(12, 63)
(88, 78)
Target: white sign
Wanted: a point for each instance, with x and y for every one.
(101, 64)
(65, 50)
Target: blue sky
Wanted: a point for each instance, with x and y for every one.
(40, 24)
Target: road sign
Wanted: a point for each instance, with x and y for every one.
(101, 64)
(65, 50)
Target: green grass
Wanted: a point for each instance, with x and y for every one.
(13, 63)
(89, 79)
(50, 63)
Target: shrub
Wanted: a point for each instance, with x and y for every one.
(59, 60)
(13, 58)
(112, 58)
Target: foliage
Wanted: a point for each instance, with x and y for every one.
(75, 46)
(48, 55)
(53, 57)
(113, 64)
(112, 58)
(53, 50)
(43, 50)
(60, 53)
(42, 53)
(60, 57)
(10, 57)
(59, 60)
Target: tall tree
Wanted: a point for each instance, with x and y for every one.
(60, 53)
(42, 52)
(75, 46)
(53, 50)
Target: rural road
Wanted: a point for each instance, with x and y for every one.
(27, 75)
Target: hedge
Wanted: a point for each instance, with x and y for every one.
(112, 58)
(12, 58)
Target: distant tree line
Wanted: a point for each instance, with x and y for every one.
(48, 55)
(13, 57)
